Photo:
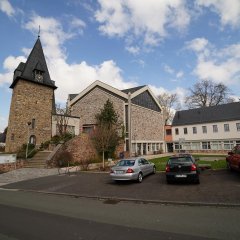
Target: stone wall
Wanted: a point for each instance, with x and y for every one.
(87, 107)
(80, 147)
(29, 101)
(147, 125)
(82, 150)
(12, 166)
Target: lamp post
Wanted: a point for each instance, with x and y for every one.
(28, 125)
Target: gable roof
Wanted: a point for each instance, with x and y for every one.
(136, 91)
(36, 61)
(219, 113)
(132, 90)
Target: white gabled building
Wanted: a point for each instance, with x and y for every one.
(207, 129)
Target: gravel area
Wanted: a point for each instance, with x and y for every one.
(25, 174)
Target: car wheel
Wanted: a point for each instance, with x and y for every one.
(168, 181)
(140, 177)
(197, 180)
(154, 170)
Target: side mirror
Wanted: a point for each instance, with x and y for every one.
(230, 153)
(197, 159)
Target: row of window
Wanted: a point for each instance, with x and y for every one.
(205, 130)
(207, 145)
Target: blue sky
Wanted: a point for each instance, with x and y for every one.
(166, 44)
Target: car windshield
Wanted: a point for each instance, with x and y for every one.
(126, 163)
(179, 160)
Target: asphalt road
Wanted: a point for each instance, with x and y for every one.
(217, 187)
(28, 216)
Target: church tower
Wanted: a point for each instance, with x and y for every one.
(32, 104)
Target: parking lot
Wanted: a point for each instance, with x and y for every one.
(217, 187)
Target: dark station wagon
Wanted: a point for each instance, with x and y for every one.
(182, 167)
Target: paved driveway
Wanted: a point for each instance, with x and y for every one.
(216, 187)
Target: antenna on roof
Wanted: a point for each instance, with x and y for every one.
(39, 32)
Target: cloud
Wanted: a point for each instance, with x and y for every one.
(217, 64)
(171, 71)
(6, 7)
(149, 20)
(9, 65)
(228, 11)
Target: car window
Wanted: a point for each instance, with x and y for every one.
(180, 160)
(126, 163)
(145, 161)
(140, 162)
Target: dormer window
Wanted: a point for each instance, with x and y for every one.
(38, 75)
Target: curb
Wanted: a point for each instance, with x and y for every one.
(115, 200)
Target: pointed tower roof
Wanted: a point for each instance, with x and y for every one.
(36, 61)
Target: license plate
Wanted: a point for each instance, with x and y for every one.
(119, 172)
(181, 176)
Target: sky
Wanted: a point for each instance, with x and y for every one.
(168, 45)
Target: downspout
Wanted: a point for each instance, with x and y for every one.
(129, 124)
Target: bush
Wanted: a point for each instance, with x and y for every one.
(31, 151)
(64, 159)
(64, 138)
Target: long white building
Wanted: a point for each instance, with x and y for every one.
(208, 129)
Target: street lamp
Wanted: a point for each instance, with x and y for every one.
(28, 125)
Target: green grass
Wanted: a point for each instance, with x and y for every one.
(216, 164)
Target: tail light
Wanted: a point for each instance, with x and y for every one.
(167, 168)
(193, 167)
(130, 170)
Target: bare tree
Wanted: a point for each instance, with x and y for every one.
(207, 93)
(104, 139)
(168, 102)
(62, 117)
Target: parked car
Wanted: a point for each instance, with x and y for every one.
(132, 169)
(233, 159)
(182, 167)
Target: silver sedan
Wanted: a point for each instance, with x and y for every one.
(132, 169)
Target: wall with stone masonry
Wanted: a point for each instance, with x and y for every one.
(29, 101)
(87, 107)
(147, 125)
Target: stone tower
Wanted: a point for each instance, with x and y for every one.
(33, 102)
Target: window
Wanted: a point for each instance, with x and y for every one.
(12, 137)
(238, 126)
(176, 131)
(168, 132)
(204, 129)
(216, 145)
(226, 127)
(194, 130)
(195, 146)
(87, 128)
(33, 123)
(185, 130)
(206, 145)
(228, 145)
(215, 128)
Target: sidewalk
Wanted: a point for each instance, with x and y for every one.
(25, 174)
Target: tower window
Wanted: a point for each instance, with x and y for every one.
(33, 123)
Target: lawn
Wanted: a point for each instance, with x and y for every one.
(215, 164)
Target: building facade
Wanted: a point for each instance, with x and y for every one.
(209, 129)
(137, 108)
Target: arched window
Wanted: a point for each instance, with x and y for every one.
(32, 139)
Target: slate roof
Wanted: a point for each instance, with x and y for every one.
(132, 90)
(219, 113)
(71, 96)
(36, 61)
